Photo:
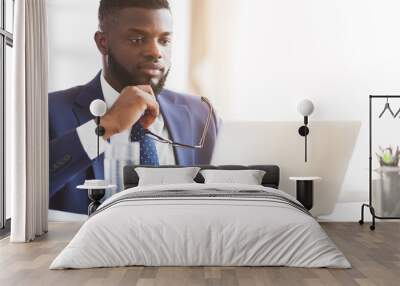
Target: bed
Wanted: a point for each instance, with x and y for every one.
(201, 224)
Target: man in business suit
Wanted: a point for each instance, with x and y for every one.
(134, 40)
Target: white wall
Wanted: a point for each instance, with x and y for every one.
(279, 143)
(333, 52)
(73, 56)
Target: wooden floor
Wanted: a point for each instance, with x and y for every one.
(375, 257)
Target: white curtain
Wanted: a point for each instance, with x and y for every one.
(27, 117)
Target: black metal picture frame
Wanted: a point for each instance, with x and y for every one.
(370, 203)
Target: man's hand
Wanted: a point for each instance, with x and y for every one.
(135, 103)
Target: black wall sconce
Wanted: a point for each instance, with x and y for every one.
(305, 108)
(98, 108)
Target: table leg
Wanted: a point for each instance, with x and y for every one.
(95, 196)
(304, 193)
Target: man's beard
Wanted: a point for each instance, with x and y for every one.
(126, 78)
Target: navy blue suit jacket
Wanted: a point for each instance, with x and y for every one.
(184, 117)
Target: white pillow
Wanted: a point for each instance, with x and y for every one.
(248, 177)
(166, 176)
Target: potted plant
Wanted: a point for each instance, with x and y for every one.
(388, 157)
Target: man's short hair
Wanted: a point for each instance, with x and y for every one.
(109, 7)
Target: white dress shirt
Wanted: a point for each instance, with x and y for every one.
(88, 138)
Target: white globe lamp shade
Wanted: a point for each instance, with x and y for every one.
(305, 107)
(98, 107)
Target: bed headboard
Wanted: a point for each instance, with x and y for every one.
(270, 179)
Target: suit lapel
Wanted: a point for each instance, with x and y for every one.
(179, 125)
(89, 92)
(81, 110)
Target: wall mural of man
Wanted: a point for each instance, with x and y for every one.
(134, 39)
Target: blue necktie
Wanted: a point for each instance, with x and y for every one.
(148, 151)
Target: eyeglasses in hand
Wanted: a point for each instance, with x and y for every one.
(200, 145)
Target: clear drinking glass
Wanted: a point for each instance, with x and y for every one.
(116, 157)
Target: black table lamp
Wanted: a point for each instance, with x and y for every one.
(305, 108)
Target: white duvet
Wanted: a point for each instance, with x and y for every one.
(200, 232)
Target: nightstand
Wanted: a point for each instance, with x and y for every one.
(95, 194)
(305, 190)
